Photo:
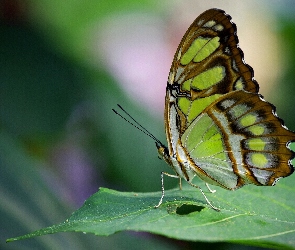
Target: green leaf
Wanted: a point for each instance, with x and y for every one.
(27, 204)
(261, 216)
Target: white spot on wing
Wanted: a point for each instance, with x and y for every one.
(227, 103)
(234, 65)
(200, 22)
(218, 27)
(209, 24)
(262, 175)
(227, 51)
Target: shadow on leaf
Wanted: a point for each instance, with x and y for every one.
(187, 209)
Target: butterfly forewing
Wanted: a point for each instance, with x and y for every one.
(208, 60)
(217, 125)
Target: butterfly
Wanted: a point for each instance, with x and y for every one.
(218, 127)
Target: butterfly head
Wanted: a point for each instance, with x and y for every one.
(163, 152)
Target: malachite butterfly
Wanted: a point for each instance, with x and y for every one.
(217, 125)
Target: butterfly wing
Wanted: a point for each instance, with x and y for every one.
(217, 125)
(238, 140)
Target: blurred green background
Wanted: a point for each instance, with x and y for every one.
(65, 64)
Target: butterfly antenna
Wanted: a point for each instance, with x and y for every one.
(136, 124)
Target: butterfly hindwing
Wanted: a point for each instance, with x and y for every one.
(237, 141)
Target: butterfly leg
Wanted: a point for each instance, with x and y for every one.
(211, 190)
(162, 183)
(215, 208)
(180, 186)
